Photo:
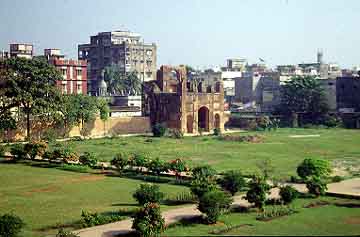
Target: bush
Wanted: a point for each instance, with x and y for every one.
(141, 160)
(337, 179)
(35, 148)
(258, 188)
(64, 233)
(176, 133)
(49, 135)
(316, 186)
(2, 151)
(159, 130)
(10, 225)
(148, 193)
(332, 121)
(93, 219)
(148, 221)
(217, 132)
(201, 186)
(157, 166)
(178, 166)
(233, 182)
(314, 167)
(66, 155)
(213, 203)
(88, 159)
(18, 152)
(274, 212)
(120, 161)
(181, 198)
(288, 194)
(203, 172)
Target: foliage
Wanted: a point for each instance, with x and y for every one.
(248, 138)
(10, 225)
(303, 94)
(103, 107)
(316, 186)
(140, 160)
(258, 189)
(288, 194)
(93, 219)
(64, 233)
(35, 148)
(201, 186)
(266, 167)
(176, 133)
(181, 198)
(120, 161)
(232, 181)
(148, 193)
(31, 84)
(65, 154)
(203, 172)
(2, 151)
(18, 152)
(314, 167)
(274, 212)
(213, 203)
(88, 159)
(178, 165)
(157, 166)
(159, 130)
(49, 135)
(148, 221)
(217, 132)
(75, 168)
(332, 121)
(120, 83)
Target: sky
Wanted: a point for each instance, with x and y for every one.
(200, 33)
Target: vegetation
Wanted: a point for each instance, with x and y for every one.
(35, 148)
(148, 221)
(258, 189)
(159, 130)
(10, 225)
(203, 180)
(64, 233)
(316, 185)
(158, 166)
(120, 84)
(18, 152)
(233, 181)
(148, 193)
(213, 203)
(93, 219)
(275, 212)
(314, 167)
(288, 194)
(88, 159)
(120, 161)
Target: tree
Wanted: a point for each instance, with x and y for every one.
(204, 172)
(148, 193)
(104, 110)
(133, 84)
(213, 203)
(303, 95)
(288, 194)
(121, 83)
(157, 166)
(314, 167)
(258, 189)
(148, 221)
(10, 225)
(233, 182)
(31, 85)
(120, 161)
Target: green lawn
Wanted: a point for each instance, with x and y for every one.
(285, 152)
(44, 197)
(325, 220)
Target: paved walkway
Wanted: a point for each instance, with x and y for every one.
(347, 187)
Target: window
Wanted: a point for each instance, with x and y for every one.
(78, 72)
(64, 89)
(63, 72)
(79, 89)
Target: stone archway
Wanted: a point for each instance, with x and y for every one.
(203, 119)
(217, 121)
(189, 124)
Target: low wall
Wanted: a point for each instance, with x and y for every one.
(95, 128)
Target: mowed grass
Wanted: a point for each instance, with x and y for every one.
(284, 152)
(322, 220)
(44, 197)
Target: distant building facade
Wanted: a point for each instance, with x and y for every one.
(74, 72)
(348, 94)
(188, 106)
(123, 48)
(22, 50)
(4, 54)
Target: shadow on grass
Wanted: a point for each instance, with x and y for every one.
(348, 205)
(189, 221)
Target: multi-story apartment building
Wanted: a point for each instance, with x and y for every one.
(4, 54)
(74, 72)
(123, 48)
(22, 50)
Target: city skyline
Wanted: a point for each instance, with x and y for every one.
(189, 32)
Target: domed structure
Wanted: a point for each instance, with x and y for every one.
(102, 86)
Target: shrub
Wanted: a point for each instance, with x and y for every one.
(88, 159)
(274, 212)
(148, 221)
(332, 121)
(217, 132)
(181, 198)
(65, 154)
(10, 225)
(337, 179)
(233, 182)
(178, 166)
(148, 193)
(35, 148)
(314, 167)
(176, 133)
(140, 160)
(316, 186)
(18, 152)
(120, 161)
(258, 188)
(157, 166)
(49, 135)
(201, 186)
(93, 219)
(203, 172)
(288, 194)
(159, 130)
(213, 203)
(2, 151)
(64, 233)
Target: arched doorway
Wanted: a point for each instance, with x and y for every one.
(189, 124)
(217, 121)
(203, 119)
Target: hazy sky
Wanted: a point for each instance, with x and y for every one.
(195, 32)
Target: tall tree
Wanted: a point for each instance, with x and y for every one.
(303, 95)
(32, 86)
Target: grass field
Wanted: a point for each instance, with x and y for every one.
(45, 197)
(337, 145)
(322, 220)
